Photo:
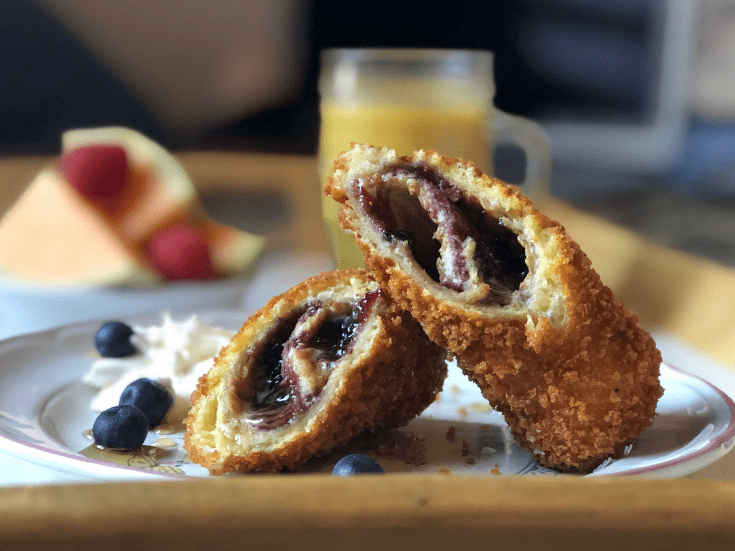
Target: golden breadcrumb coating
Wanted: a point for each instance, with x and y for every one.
(390, 373)
(552, 349)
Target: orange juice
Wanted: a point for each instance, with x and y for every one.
(410, 99)
(455, 130)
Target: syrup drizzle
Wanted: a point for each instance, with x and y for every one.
(144, 458)
(164, 443)
(165, 428)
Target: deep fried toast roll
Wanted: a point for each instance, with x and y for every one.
(330, 358)
(510, 294)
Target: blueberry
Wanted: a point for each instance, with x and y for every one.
(113, 340)
(356, 463)
(120, 427)
(150, 397)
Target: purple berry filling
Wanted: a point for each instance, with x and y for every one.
(400, 215)
(269, 396)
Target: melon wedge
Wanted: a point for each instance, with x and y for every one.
(56, 235)
(232, 250)
(159, 191)
(161, 194)
(52, 235)
(142, 151)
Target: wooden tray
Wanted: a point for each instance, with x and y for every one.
(688, 296)
(383, 512)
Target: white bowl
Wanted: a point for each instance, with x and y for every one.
(25, 307)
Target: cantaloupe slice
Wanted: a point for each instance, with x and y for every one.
(232, 250)
(142, 151)
(56, 235)
(147, 207)
(159, 192)
(52, 235)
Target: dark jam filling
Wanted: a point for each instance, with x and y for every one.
(265, 394)
(270, 396)
(500, 257)
(401, 217)
(334, 337)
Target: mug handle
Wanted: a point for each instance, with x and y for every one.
(531, 138)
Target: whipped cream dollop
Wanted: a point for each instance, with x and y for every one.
(175, 353)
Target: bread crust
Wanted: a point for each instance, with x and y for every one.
(565, 362)
(392, 379)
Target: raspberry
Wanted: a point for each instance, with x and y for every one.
(181, 252)
(96, 171)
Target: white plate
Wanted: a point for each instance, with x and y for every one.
(44, 412)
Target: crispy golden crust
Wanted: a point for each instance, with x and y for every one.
(565, 362)
(384, 384)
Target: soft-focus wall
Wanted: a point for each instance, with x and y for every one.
(194, 64)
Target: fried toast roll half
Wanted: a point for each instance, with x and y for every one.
(507, 291)
(316, 366)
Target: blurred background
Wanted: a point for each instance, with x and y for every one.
(638, 98)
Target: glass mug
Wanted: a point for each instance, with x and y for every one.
(411, 99)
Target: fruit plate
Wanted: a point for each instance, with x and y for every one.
(45, 418)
